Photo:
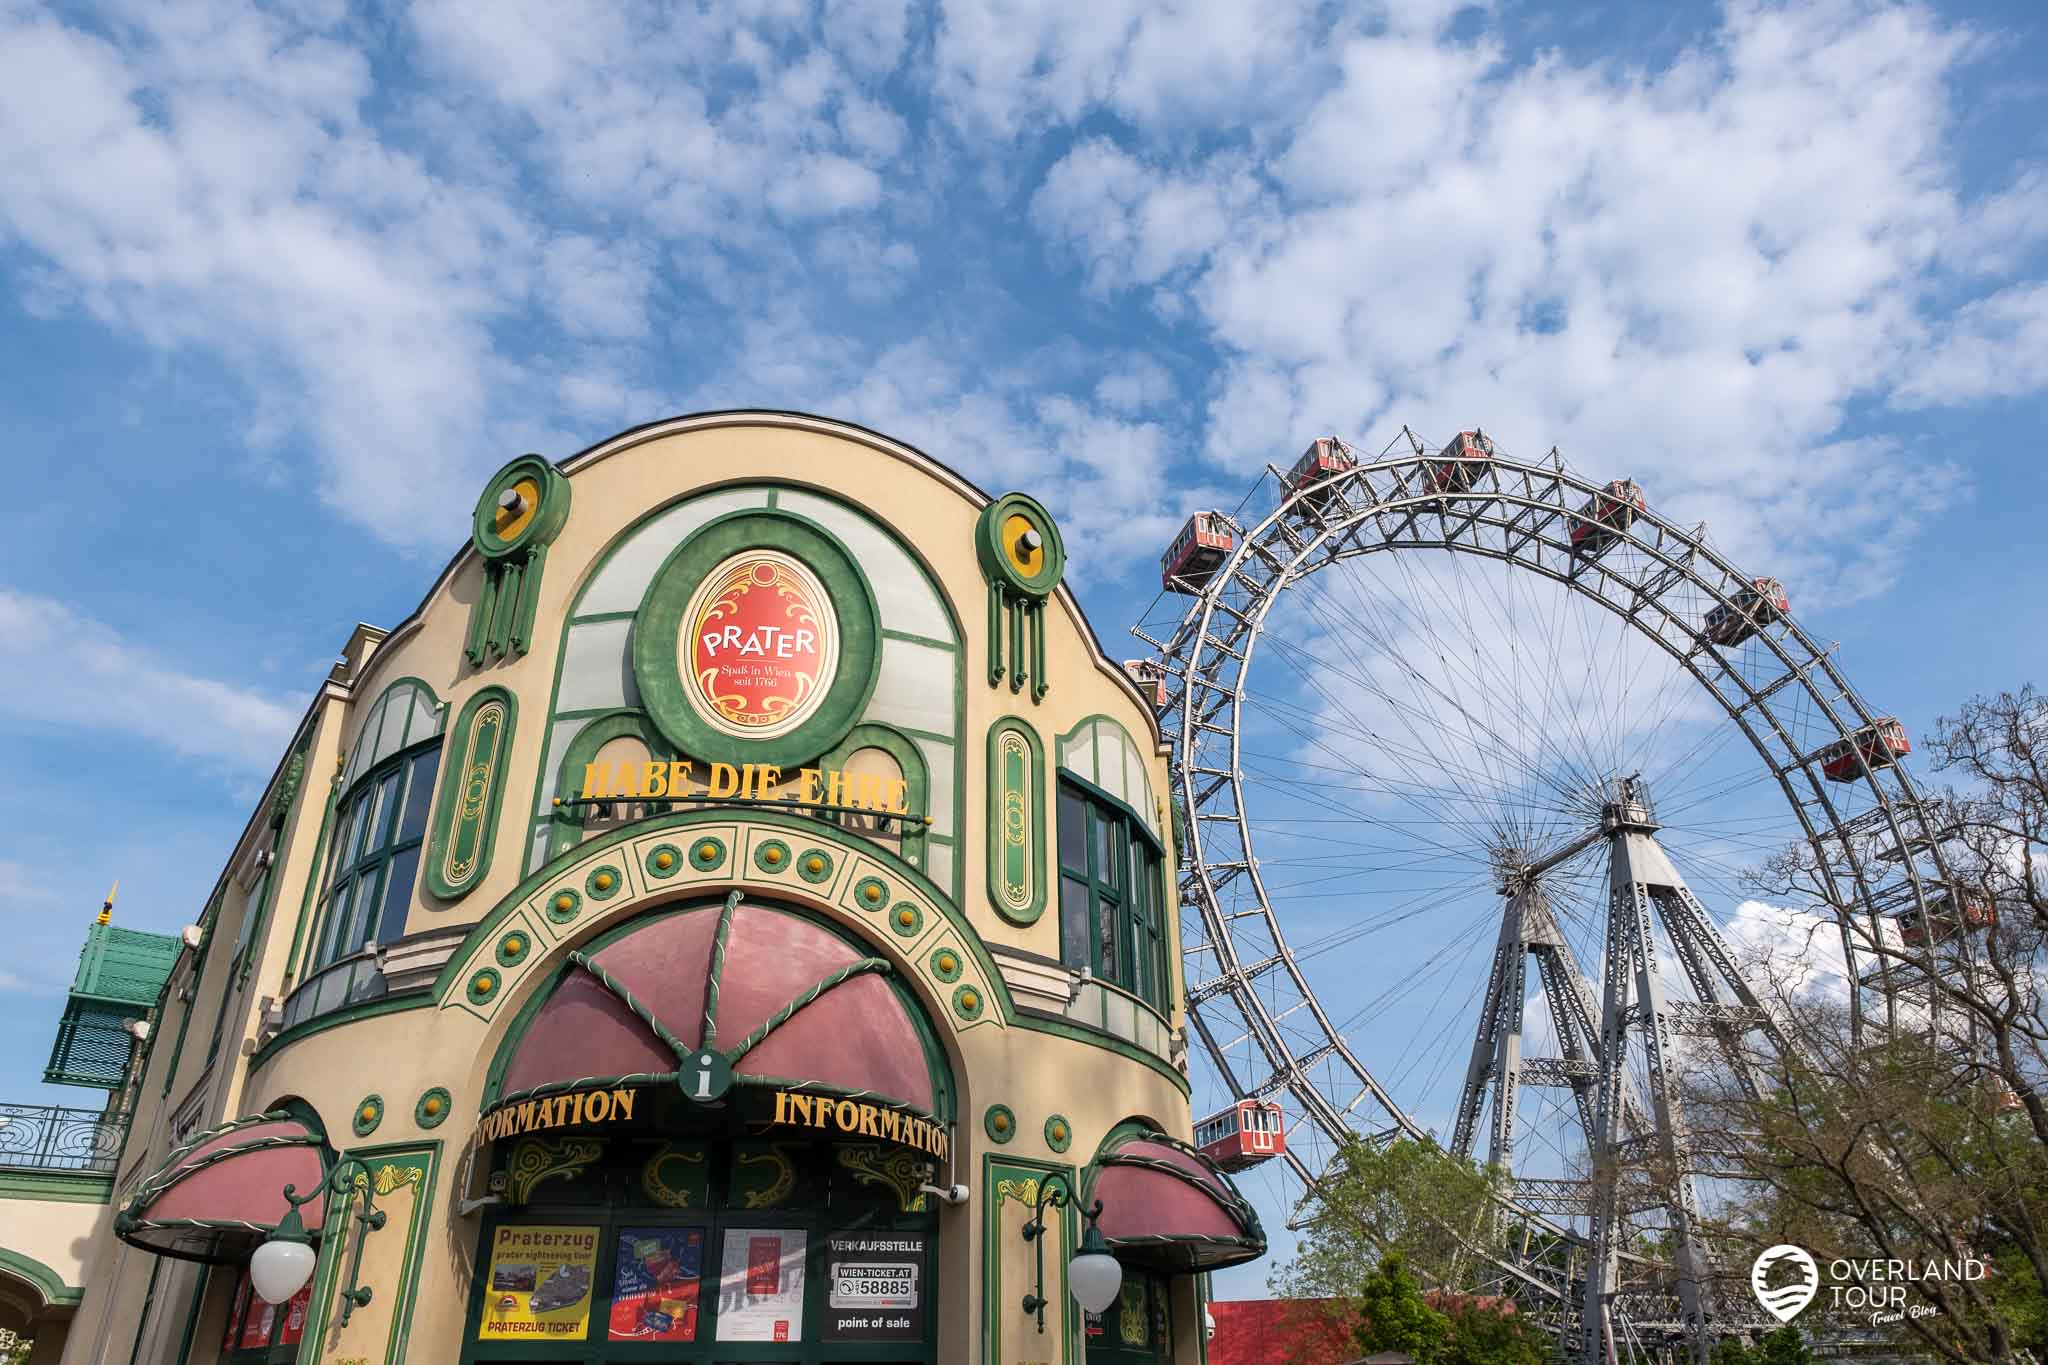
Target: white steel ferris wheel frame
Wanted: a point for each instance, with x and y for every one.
(1790, 702)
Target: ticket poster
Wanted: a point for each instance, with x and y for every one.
(259, 1325)
(295, 1308)
(654, 1287)
(538, 1285)
(761, 1285)
(875, 1287)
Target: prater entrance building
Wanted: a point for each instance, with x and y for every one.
(729, 920)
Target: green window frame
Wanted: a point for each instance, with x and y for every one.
(1112, 902)
(252, 906)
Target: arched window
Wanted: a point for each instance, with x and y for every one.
(379, 823)
(1112, 911)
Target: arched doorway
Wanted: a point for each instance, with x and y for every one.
(764, 1206)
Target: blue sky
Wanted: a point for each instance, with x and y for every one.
(282, 284)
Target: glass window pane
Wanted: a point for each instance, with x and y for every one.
(419, 796)
(1073, 832)
(330, 924)
(345, 828)
(374, 836)
(397, 896)
(362, 915)
(1106, 832)
(1074, 949)
(1106, 954)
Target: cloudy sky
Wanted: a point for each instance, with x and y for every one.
(282, 284)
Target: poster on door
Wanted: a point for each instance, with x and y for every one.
(874, 1287)
(761, 1285)
(294, 1325)
(654, 1288)
(539, 1284)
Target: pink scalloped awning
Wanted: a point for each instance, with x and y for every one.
(857, 1035)
(1168, 1206)
(211, 1201)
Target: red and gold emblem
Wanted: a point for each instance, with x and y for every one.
(759, 645)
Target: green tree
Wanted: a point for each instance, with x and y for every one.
(1406, 1197)
(1392, 1315)
(1484, 1334)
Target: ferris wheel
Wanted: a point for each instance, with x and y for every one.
(1469, 758)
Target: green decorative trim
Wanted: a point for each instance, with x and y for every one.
(607, 881)
(898, 1170)
(707, 854)
(58, 1187)
(772, 856)
(293, 962)
(663, 861)
(483, 985)
(501, 618)
(513, 948)
(1059, 1132)
(1016, 821)
(393, 1168)
(1143, 822)
(946, 964)
(433, 1108)
(565, 823)
(1006, 1178)
(917, 778)
(871, 893)
(999, 1121)
(369, 1112)
(679, 824)
(968, 1002)
(814, 865)
(466, 809)
(564, 906)
(281, 807)
(1016, 597)
(655, 633)
(906, 919)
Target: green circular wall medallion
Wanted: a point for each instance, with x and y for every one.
(432, 1110)
(871, 893)
(758, 638)
(664, 861)
(946, 964)
(369, 1113)
(513, 948)
(814, 865)
(483, 986)
(1019, 546)
(563, 905)
(968, 1002)
(906, 919)
(999, 1123)
(604, 883)
(707, 854)
(1059, 1134)
(772, 855)
(523, 506)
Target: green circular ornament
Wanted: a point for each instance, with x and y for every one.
(1019, 546)
(604, 883)
(906, 919)
(433, 1109)
(772, 856)
(999, 1123)
(814, 865)
(513, 948)
(523, 506)
(664, 861)
(563, 905)
(946, 964)
(704, 1076)
(707, 854)
(369, 1113)
(1059, 1133)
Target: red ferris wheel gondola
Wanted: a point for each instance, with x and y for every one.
(1605, 516)
(1201, 548)
(1243, 1135)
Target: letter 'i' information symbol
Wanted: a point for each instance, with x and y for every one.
(1785, 1302)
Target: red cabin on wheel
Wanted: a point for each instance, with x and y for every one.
(1976, 913)
(1201, 548)
(1243, 1135)
(1748, 612)
(1877, 745)
(1457, 466)
(1149, 677)
(1605, 516)
(1325, 457)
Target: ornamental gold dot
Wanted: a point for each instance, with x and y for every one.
(871, 892)
(1059, 1132)
(814, 864)
(968, 1000)
(565, 902)
(483, 985)
(1001, 1123)
(946, 962)
(604, 881)
(433, 1104)
(367, 1112)
(771, 856)
(906, 917)
(707, 850)
(664, 860)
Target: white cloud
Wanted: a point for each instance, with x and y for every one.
(61, 667)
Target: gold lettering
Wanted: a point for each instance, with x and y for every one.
(527, 1109)
(595, 780)
(891, 1124)
(655, 779)
(767, 777)
(867, 1121)
(679, 777)
(725, 781)
(622, 1104)
(814, 782)
(596, 1106)
(835, 788)
(629, 780)
(896, 796)
(799, 1107)
(847, 1115)
(781, 1107)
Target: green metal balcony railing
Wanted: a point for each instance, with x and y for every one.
(50, 1137)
